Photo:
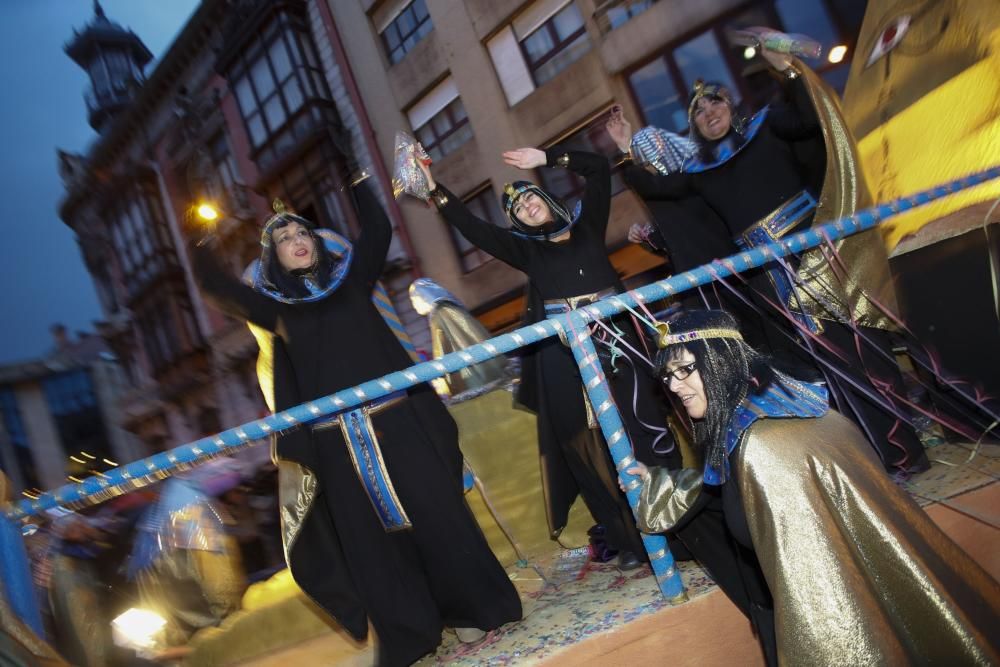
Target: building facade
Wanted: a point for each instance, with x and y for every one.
(59, 415)
(248, 105)
(473, 78)
(257, 100)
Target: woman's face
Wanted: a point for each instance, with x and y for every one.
(712, 117)
(682, 377)
(295, 246)
(532, 210)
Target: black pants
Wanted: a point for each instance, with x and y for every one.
(733, 566)
(585, 450)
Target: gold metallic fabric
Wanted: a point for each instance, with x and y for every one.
(83, 631)
(452, 329)
(193, 588)
(844, 192)
(297, 486)
(665, 497)
(860, 575)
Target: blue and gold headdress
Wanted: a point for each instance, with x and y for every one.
(562, 220)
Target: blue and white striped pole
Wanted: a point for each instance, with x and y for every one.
(596, 384)
(139, 473)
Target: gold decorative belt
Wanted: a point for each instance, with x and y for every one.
(566, 304)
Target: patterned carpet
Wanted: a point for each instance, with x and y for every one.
(573, 602)
(566, 600)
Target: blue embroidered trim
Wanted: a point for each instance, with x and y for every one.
(773, 228)
(784, 398)
(694, 165)
(342, 254)
(572, 223)
(371, 470)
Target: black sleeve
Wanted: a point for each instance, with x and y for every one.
(229, 294)
(655, 243)
(657, 186)
(793, 117)
(372, 245)
(596, 171)
(496, 241)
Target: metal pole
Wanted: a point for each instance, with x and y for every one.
(620, 447)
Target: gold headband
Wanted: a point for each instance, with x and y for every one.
(666, 339)
(702, 89)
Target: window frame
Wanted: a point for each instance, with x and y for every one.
(595, 124)
(559, 45)
(140, 237)
(474, 257)
(602, 15)
(750, 97)
(305, 74)
(454, 127)
(400, 48)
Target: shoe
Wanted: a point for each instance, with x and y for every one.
(470, 635)
(628, 561)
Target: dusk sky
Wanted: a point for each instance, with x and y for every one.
(44, 277)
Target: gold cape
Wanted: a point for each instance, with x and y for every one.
(844, 192)
(860, 575)
(452, 329)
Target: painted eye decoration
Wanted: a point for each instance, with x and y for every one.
(891, 35)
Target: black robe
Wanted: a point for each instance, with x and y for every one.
(786, 156)
(574, 458)
(410, 583)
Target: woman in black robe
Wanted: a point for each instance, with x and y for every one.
(566, 260)
(410, 577)
(745, 172)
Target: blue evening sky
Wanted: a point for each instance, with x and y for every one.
(44, 280)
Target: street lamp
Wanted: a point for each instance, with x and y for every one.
(207, 212)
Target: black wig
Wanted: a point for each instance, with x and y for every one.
(729, 369)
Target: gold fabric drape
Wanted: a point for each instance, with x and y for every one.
(452, 329)
(845, 191)
(665, 496)
(860, 575)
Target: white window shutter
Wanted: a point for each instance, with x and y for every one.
(508, 61)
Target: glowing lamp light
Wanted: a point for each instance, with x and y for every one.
(139, 629)
(207, 212)
(749, 52)
(837, 53)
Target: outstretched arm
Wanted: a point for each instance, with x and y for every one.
(496, 241)
(795, 118)
(596, 171)
(594, 168)
(646, 184)
(372, 245)
(666, 496)
(655, 187)
(230, 295)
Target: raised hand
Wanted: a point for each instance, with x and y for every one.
(619, 129)
(525, 158)
(639, 232)
(426, 168)
(638, 469)
(779, 61)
